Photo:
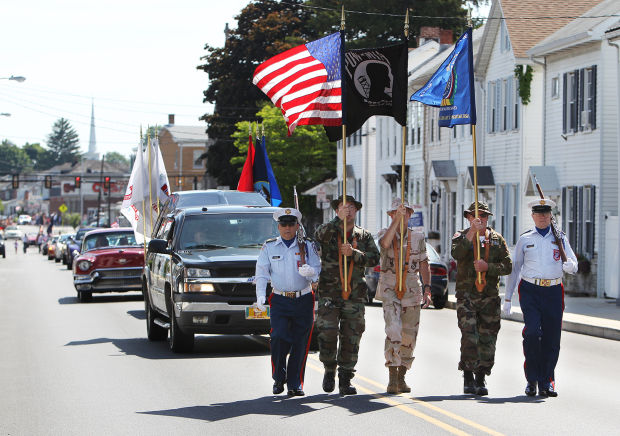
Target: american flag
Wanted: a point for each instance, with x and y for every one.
(304, 82)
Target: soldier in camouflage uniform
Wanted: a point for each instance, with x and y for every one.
(340, 322)
(478, 312)
(401, 311)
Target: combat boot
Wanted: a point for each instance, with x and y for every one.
(402, 384)
(329, 381)
(392, 387)
(481, 388)
(468, 383)
(344, 386)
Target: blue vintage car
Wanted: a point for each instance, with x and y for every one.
(74, 245)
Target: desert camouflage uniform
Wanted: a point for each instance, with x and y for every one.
(402, 316)
(478, 313)
(342, 321)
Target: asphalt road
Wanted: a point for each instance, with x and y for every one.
(74, 369)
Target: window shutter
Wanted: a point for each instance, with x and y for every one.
(579, 220)
(575, 100)
(509, 96)
(498, 100)
(564, 95)
(593, 94)
(489, 108)
(592, 212)
(580, 100)
(564, 217)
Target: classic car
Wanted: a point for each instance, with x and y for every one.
(12, 232)
(50, 245)
(2, 247)
(439, 278)
(61, 246)
(74, 245)
(110, 261)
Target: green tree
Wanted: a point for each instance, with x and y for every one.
(116, 158)
(290, 156)
(13, 159)
(264, 29)
(1, 206)
(41, 158)
(63, 142)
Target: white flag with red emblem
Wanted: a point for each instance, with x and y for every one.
(136, 199)
(159, 178)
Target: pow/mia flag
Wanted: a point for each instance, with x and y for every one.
(375, 84)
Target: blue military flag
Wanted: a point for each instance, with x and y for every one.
(451, 88)
(264, 179)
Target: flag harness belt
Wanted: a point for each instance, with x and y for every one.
(487, 245)
(350, 272)
(400, 290)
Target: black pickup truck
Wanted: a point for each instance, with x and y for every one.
(198, 276)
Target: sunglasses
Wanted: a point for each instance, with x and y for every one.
(287, 224)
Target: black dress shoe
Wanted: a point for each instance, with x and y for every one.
(547, 391)
(295, 393)
(329, 381)
(278, 388)
(530, 389)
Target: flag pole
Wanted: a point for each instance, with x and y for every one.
(139, 154)
(480, 281)
(400, 284)
(148, 135)
(346, 291)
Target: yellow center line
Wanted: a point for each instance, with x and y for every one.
(421, 403)
(404, 407)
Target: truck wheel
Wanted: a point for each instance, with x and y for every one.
(153, 331)
(180, 342)
(85, 296)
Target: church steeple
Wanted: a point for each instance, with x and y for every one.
(92, 143)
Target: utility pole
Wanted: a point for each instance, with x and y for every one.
(100, 189)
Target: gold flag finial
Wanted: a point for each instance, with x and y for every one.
(342, 18)
(469, 17)
(407, 24)
(140, 132)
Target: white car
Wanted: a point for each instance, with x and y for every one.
(24, 219)
(12, 232)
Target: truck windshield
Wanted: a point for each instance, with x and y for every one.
(206, 231)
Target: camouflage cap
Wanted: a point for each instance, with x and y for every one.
(350, 199)
(482, 207)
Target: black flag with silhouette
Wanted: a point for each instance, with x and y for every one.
(376, 84)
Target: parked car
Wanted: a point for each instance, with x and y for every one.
(74, 245)
(13, 232)
(31, 239)
(61, 246)
(2, 247)
(110, 261)
(24, 219)
(199, 272)
(439, 278)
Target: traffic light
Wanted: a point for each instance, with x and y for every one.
(15, 181)
(78, 182)
(48, 182)
(106, 183)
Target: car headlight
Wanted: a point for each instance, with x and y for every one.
(83, 265)
(197, 273)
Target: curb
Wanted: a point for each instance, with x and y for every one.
(599, 331)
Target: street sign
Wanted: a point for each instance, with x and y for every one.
(321, 195)
(62, 208)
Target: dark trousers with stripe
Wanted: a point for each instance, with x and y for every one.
(291, 329)
(542, 308)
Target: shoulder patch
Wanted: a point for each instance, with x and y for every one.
(527, 231)
(271, 240)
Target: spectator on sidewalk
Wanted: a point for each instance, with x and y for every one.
(537, 259)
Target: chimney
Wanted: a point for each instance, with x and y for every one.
(170, 119)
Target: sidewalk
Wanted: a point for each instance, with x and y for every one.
(585, 315)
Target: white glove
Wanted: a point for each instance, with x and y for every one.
(506, 307)
(569, 266)
(306, 271)
(260, 303)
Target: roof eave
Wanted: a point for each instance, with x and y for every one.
(560, 44)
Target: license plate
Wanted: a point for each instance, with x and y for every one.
(252, 312)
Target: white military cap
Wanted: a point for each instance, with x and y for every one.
(287, 214)
(541, 205)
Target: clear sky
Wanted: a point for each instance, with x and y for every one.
(135, 59)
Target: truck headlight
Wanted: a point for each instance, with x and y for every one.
(199, 287)
(197, 273)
